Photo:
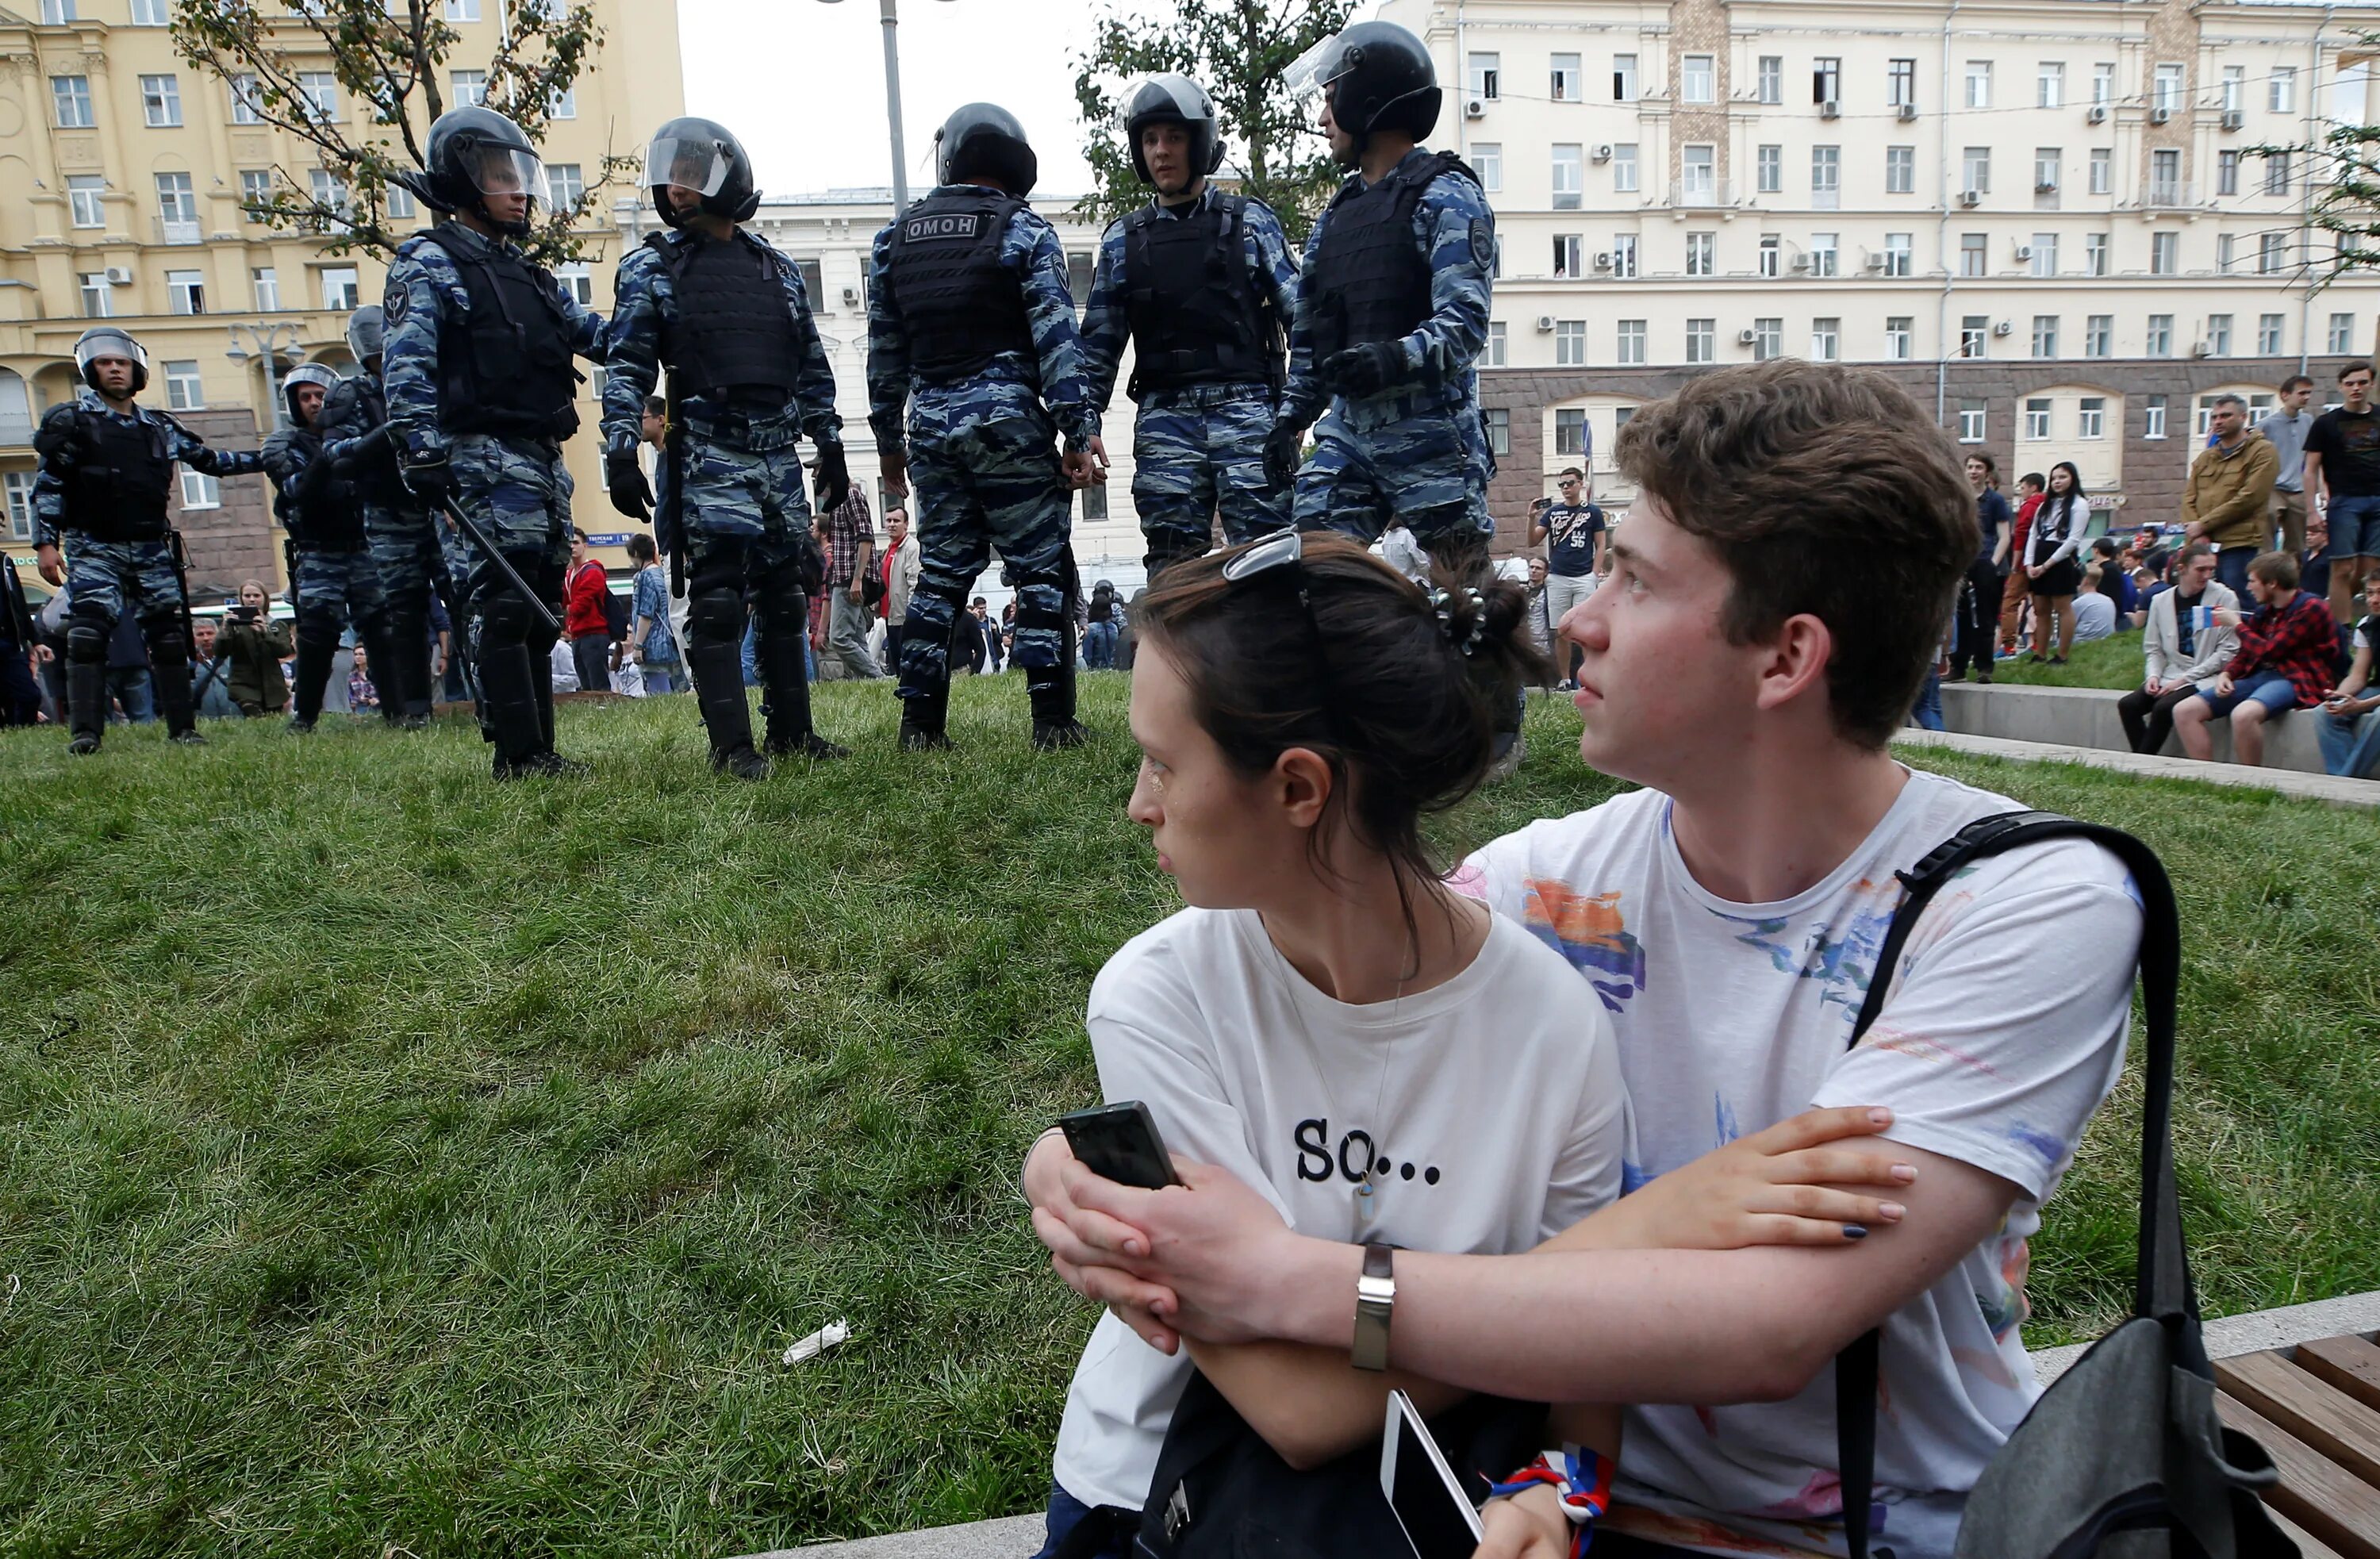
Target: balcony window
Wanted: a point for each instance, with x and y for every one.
(161, 101)
(1570, 344)
(2099, 335)
(1699, 168)
(1568, 176)
(176, 202)
(2165, 178)
(1631, 342)
(70, 97)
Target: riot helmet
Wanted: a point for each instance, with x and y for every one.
(1170, 99)
(1378, 75)
(111, 341)
(982, 139)
(475, 152)
(365, 330)
(700, 155)
(306, 374)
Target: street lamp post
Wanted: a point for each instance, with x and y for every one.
(892, 99)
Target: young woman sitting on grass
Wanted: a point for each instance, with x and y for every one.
(1386, 1060)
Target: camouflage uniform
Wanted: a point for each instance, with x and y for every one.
(1197, 449)
(406, 542)
(105, 578)
(735, 469)
(983, 458)
(335, 584)
(1418, 448)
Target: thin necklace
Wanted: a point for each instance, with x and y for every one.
(1365, 1206)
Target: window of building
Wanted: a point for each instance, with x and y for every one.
(1979, 83)
(565, 185)
(2049, 85)
(331, 192)
(1569, 80)
(2091, 416)
(1623, 256)
(1899, 253)
(1974, 334)
(1821, 254)
(1569, 343)
(1496, 344)
(2168, 91)
(183, 391)
(1570, 429)
(176, 202)
(320, 91)
(2103, 168)
(255, 192)
(1623, 168)
(2227, 173)
(2036, 420)
(2045, 335)
(1769, 251)
(1826, 177)
(57, 13)
(2164, 177)
(161, 101)
(1900, 170)
(578, 279)
(1623, 78)
(1971, 421)
(467, 89)
(2099, 335)
(2276, 173)
(1768, 340)
(2269, 335)
(199, 491)
(1499, 431)
(87, 200)
(1488, 162)
(2223, 255)
(20, 488)
(1570, 176)
(2342, 333)
(2281, 91)
(2272, 254)
(1975, 170)
(1771, 79)
(2165, 253)
(1700, 166)
(1702, 254)
(1900, 336)
(2046, 161)
(1698, 79)
(397, 200)
(1826, 340)
(1825, 80)
(70, 96)
(266, 283)
(2218, 335)
(2160, 342)
(1486, 75)
(1900, 83)
(1702, 341)
(2153, 417)
(2103, 84)
(186, 292)
(97, 300)
(339, 287)
(246, 108)
(1570, 254)
(462, 10)
(563, 105)
(1974, 253)
(1768, 165)
(2045, 254)
(2094, 254)
(1631, 342)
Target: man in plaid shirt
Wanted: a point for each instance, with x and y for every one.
(2288, 651)
(850, 545)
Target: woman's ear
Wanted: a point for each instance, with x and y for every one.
(1302, 782)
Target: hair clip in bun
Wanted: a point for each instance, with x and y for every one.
(1442, 604)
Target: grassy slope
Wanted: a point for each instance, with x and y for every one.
(2113, 662)
(391, 1159)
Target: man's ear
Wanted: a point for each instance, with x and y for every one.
(1301, 781)
(1796, 661)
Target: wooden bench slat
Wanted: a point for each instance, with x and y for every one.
(2350, 1363)
(2331, 1422)
(2308, 1546)
(2316, 1493)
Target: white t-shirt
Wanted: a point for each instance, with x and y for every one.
(2094, 617)
(2004, 1032)
(1494, 1098)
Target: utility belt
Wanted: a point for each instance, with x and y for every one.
(70, 536)
(340, 547)
(546, 449)
(1207, 396)
(758, 426)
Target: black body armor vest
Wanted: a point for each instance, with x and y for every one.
(735, 337)
(1197, 317)
(320, 511)
(504, 368)
(1371, 279)
(122, 479)
(355, 408)
(959, 306)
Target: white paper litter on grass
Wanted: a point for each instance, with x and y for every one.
(818, 1341)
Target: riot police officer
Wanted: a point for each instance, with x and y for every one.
(748, 378)
(404, 540)
(481, 392)
(968, 305)
(105, 480)
(331, 570)
(1203, 282)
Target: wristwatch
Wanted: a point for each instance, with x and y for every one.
(1376, 1297)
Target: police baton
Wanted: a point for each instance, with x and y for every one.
(471, 527)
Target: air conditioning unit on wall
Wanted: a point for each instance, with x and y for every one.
(2160, 115)
(118, 276)
(2098, 114)
(1603, 153)
(1971, 197)
(1746, 337)
(1475, 108)
(1907, 112)
(2024, 251)
(2233, 119)
(2003, 327)
(1546, 322)
(1830, 109)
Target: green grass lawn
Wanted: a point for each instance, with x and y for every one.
(2113, 662)
(395, 1164)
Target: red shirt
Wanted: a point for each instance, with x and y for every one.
(585, 613)
(2298, 640)
(2024, 512)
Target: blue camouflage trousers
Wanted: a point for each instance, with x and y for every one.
(519, 492)
(986, 473)
(338, 590)
(408, 550)
(1198, 451)
(746, 514)
(105, 578)
(1429, 470)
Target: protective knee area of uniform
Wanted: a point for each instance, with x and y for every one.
(506, 622)
(87, 639)
(166, 644)
(714, 601)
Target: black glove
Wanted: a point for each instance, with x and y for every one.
(623, 479)
(1364, 370)
(1282, 447)
(431, 480)
(833, 478)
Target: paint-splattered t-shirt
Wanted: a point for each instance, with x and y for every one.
(2004, 1030)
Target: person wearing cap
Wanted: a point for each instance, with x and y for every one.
(974, 371)
(100, 529)
(331, 575)
(1201, 282)
(482, 393)
(727, 313)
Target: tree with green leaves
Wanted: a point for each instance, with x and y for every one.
(1240, 50)
(388, 58)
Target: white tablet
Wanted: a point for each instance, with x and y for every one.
(1422, 1489)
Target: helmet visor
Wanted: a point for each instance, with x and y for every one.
(504, 170)
(110, 343)
(698, 166)
(1313, 71)
(364, 332)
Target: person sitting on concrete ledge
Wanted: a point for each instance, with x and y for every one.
(2349, 723)
(2184, 648)
(2284, 663)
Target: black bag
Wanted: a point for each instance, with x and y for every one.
(619, 614)
(2127, 1441)
(1221, 1493)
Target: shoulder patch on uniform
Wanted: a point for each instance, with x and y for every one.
(1483, 240)
(394, 302)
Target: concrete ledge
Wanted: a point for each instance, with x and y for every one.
(1011, 1537)
(2087, 717)
(2285, 782)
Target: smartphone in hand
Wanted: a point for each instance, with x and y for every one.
(1119, 1142)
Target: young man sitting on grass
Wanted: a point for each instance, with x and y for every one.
(1775, 600)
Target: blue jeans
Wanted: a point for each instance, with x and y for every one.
(2354, 528)
(660, 680)
(1928, 712)
(1100, 646)
(2350, 743)
(2272, 690)
(2231, 568)
(131, 688)
(1065, 1514)
(751, 653)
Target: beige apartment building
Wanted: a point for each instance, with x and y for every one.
(123, 177)
(2061, 226)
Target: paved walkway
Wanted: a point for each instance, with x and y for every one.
(2284, 782)
(1018, 1537)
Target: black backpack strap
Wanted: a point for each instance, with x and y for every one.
(2164, 1287)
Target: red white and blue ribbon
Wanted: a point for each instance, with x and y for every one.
(1581, 1478)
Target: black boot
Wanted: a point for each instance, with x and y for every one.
(170, 677)
(1052, 690)
(86, 704)
(315, 651)
(409, 663)
(784, 673)
(726, 714)
(541, 688)
(508, 678)
(923, 713)
(387, 679)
